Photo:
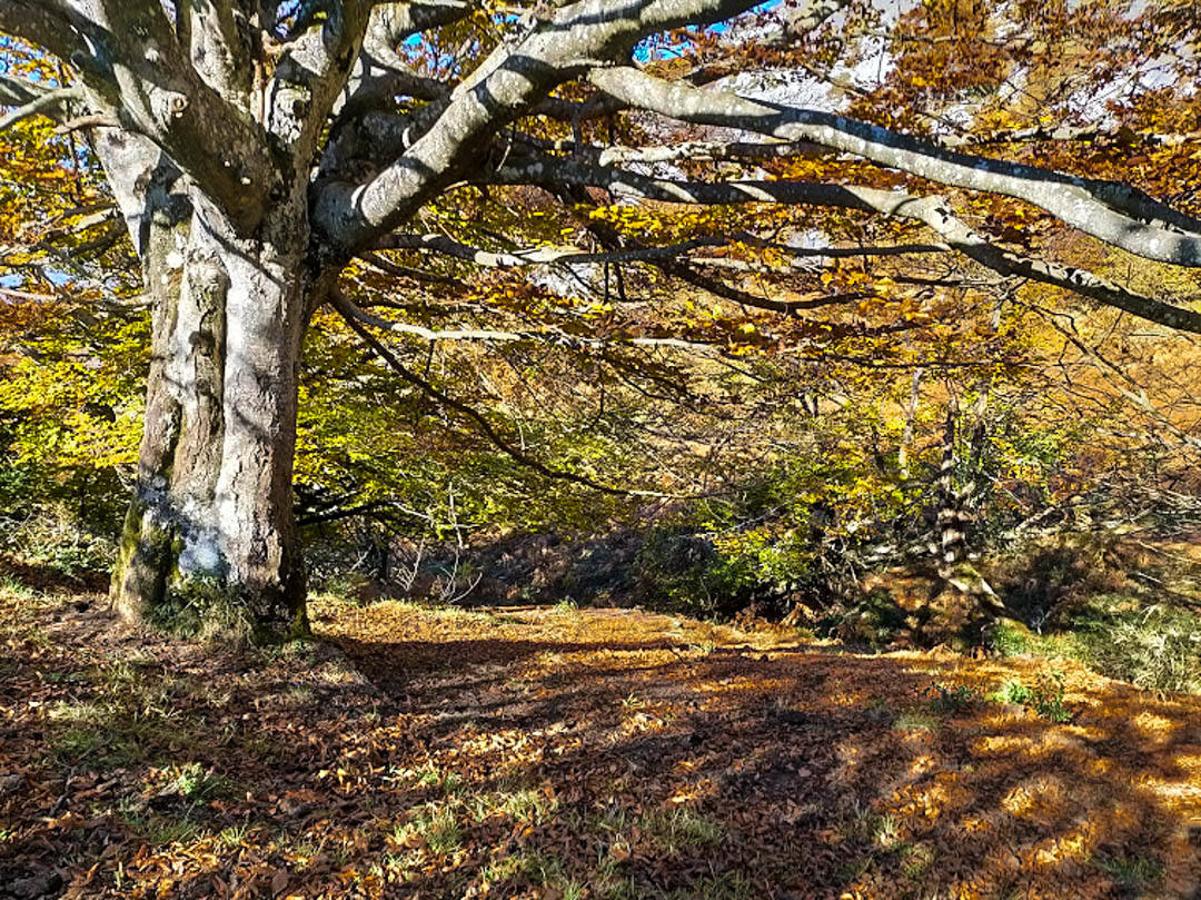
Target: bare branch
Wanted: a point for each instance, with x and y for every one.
(930, 211)
(51, 104)
(555, 338)
(347, 311)
(505, 86)
(537, 255)
(81, 123)
(551, 173)
(573, 255)
(392, 23)
(1112, 212)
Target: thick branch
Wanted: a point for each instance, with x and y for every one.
(930, 211)
(506, 85)
(51, 104)
(1114, 213)
(129, 58)
(47, 23)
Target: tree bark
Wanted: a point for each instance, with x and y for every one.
(209, 542)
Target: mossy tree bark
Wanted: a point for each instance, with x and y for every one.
(209, 541)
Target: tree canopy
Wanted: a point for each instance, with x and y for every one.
(626, 250)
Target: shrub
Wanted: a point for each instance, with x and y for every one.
(1156, 649)
(1013, 691)
(874, 619)
(1045, 697)
(684, 572)
(55, 539)
(1008, 638)
(1038, 580)
(950, 700)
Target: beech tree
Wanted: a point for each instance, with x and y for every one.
(257, 150)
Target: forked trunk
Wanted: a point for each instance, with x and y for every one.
(209, 541)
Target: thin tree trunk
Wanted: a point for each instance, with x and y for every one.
(952, 535)
(915, 394)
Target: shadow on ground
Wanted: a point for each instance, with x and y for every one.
(562, 752)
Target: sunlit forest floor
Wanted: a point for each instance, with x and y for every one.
(562, 752)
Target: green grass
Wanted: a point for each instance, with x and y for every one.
(1013, 692)
(194, 783)
(435, 826)
(527, 805)
(676, 830)
(159, 829)
(1045, 697)
(949, 700)
(1010, 639)
(1157, 648)
(429, 776)
(886, 830)
(722, 886)
(916, 720)
(916, 860)
(126, 713)
(1131, 873)
(16, 588)
(233, 837)
(1152, 645)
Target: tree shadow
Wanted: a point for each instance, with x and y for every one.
(419, 753)
(830, 773)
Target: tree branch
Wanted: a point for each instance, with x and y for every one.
(347, 311)
(556, 338)
(930, 211)
(505, 86)
(1114, 213)
(51, 104)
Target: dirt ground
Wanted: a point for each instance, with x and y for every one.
(561, 753)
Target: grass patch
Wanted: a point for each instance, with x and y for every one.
(1131, 873)
(1013, 691)
(429, 776)
(1007, 638)
(542, 869)
(158, 829)
(915, 720)
(676, 830)
(1156, 647)
(722, 886)
(916, 860)
(434, 826)
(886, 831)
(16, 589)
(527, 805)
(233, 837)
(194, 783)
(951, 700)
(132, 715)
(1045, 697)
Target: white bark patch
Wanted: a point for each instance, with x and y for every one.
(201, 556)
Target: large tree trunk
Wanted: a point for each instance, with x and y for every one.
(209, 542)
